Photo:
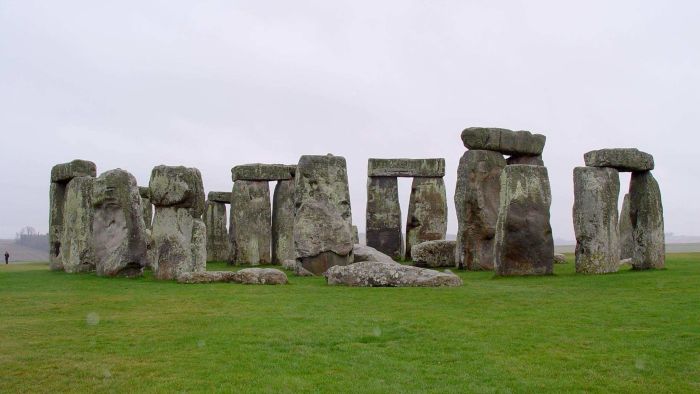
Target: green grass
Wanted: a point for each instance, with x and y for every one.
(625, 332)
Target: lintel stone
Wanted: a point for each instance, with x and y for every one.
(263, 172)
(224, 197)
(432, 168)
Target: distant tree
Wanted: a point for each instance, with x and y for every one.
(29, 237)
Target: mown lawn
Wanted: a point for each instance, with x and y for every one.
(625, 332)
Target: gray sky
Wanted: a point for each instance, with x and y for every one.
(216, 84)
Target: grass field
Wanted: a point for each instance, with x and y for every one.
(625, 332)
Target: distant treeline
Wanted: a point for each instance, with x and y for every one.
(30, 238)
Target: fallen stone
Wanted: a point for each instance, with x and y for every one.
(427, 212)
(177, 187)
(621, 159)
(434, 254)
(250, 228)
(647, 217)
(296, 267)
(508, 142)
(206, 277)
(378, 274)
(434, 168)
(65, 172)
(625, 230)
(260, 276)
(77, 253)
(524, 244)
(476, 201)
(222, 197)
(368, 253)
(559, 258)
(383, 216)
(263, 172)
(596, 192)
(528, 160)
(218, 243)
(283, 222)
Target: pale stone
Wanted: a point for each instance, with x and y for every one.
(206, 277)
(427, 212)
(559, 258)
(434, 168)
(368, 253)
(508, 142)
(622, 159)
(77, 254)
(262, 172)
(647, 216)
(355, 235)
(260, 276)
(251, 222)
(283, 222)
(383, 216)
(378, 274)
(179, 241)
(218, 242)
(177, 187)
(440, 253)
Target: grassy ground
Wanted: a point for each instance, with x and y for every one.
(625, 332)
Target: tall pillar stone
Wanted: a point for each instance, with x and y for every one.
(477, 201)
(77, 253)
(251, 222)
(647, 217)
(283, 222)
(625, 230)
(596, 192)
(384, 216)
(217, 234)
(322, 213)
(524, 243)
(427, 212)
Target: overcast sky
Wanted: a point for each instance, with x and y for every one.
(215, 84)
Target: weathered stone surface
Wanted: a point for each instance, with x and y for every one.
(144, 192)
(65, 172)
(206, 277)
(283, 222)
(476, 200)
(368, 253)
(508, 142)
(596, 191)
(434, 168)
(377, 274)
(296, 267)
(432, 254)
(218, 243)
(222, 197)
(147, 212)
(559, 258)
(524, 244)
(77, 251)
(177, 187)
(251, 222)
(625, 229)
(383, 216)
(179, 240)
(529, 160)
(260, 276)
(427, 212)
(57, 198)
(323, 217)
(622, 159)
(118, 229)
(355, 235)
(262, 172)
(647, 216)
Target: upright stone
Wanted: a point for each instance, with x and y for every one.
(217, 235)
(355, 235)
(625, 230)
(427, 212)
(596, 192)
(384, 216)
(647, 216)
(251, 222)
(118, 230)
(524, 244)
(322, 217)
(283, 222)
(476, 201)
(147, 206)
(77, 253)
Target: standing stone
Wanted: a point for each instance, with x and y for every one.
(251, 222)
(355, 235)
(77, 246)
(179, 235)
(596, 192)
(283, 222)
(147, 206)
(217, 234)
(323, 216)
(647, 216)
(118, 230)
(524, 244)
(427, 212)
(625, 230)
(384, 216)
(476, 201)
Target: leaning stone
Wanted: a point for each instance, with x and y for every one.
(67, 171)
(323, 216)
(434, 168)
(621, 159)
(647, 216)
(222, 197)
(522, 143)
(377, 274)
(262, 172)
(179, 241)
(596, 192)
(296, 267)
(427, 212)
(77, 253)
(218, 248)
(524, 244)
(433, 254)
(383, 216)
(260, 276)
(177, 187)
(250, 226)
(57, 199)
(206, 277)
(283, 222)
(355, 235)
(625, 229)
(529, 160)
(368, 253)
(559, 258)
(476, 201)
(118, 230)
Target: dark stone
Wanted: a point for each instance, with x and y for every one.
(262, 172)
(427, 212)
(621, 159)
(434, 168)
(647, 216)
(508, 142)
(384, 216)
(222, 197)
(65, 172)
(251, 222)
(283, 222)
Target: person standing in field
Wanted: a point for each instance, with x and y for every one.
(7, 257)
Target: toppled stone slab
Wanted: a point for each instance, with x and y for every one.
(383, 216)
(206, 277)
(621, 159)
(296, 267)
(368, 253)
(67, 171)
(377, 274)
(559, 258)
(508, 142)
(260, 276)
(427, 212)
(250, 227)
(262, 172)
(177, 187)
(440, 253)
(434, 168)
(283, 222)
(625, 229)
(647, 217)
(222, 197)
